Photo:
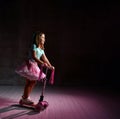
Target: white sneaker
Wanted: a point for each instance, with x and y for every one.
(29, 98)
(26, 101)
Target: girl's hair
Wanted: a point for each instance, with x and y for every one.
(36, 37)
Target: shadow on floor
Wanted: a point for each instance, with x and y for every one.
(12, 109)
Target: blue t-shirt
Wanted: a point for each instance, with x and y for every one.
(39, 52)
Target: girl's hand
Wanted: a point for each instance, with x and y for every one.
(46, 65)
(52, 67)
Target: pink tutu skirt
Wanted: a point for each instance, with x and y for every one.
(30, 70)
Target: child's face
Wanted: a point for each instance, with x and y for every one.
(42, 39)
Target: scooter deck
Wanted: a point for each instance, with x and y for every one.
(36, 107)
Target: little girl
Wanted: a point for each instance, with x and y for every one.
(37, 57)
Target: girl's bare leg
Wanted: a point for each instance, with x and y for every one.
(28, 88)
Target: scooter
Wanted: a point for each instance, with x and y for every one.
(41, 105)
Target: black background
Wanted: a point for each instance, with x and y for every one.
(82, 39)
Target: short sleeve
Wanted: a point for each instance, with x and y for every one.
(34, 47)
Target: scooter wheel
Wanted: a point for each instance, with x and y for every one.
(45, 104)
(37, 108)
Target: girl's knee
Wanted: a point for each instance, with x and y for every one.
(33, 82)
(30, 83)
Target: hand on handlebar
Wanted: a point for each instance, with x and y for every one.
(52, 68)
(47, 66)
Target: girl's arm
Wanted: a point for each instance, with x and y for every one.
(36, 59)
(45, 59)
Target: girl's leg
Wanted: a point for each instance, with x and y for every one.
(28, 88)
(32, 83)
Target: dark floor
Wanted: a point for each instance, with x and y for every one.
(64, 103)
